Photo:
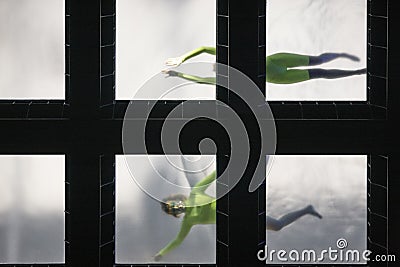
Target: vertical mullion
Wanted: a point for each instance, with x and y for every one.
(84, 173)
(243, 206)
(394, 110)
(84, 99)
(222, 57)
(85, 59)
(107, 210)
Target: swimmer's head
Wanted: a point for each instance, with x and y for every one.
(174, 205)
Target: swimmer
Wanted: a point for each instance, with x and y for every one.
(279, 67)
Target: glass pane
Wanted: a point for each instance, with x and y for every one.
(32, 209)
(150, 32)
(336, 189)
(143, 229)
(32, 49)
(312, 28)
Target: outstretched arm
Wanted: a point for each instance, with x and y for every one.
(205, 182)
(185, 229)
(193, 78)
(176, 61)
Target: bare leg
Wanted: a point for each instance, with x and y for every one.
(278, 224)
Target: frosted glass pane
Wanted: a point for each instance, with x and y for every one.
(336, 186)
(150, 32)
(313, 27)
(32, 49)
(143, 229)
(32, 209)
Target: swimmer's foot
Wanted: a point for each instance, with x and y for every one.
(310, 209)
(361, 71)
(351, 57)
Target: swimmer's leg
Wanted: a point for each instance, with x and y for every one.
(326, 57)
(298, 75)
(290, 60)
(333, 73)
(278, 224)
(288, 77)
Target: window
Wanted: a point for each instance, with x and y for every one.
(336, 187)
(32, 50)
(32, 209)
(314, 28)
(144, 43)
(360, 29)
(140, 217)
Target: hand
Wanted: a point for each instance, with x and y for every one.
(157, 257)
(174, 61)
(170, 73)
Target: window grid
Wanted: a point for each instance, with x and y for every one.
(111, 109)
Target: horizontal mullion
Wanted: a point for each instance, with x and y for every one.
(293, 136)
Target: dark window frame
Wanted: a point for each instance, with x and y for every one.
(88, 131)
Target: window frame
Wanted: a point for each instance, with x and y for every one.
(89, 127)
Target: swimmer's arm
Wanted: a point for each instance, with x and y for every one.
(205, 182)
(176, 61)
(202, 49)
(192, 78)
(197, 79)
(185, 229)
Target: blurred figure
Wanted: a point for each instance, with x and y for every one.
(278, 224)
(279, 67)
(200, 208)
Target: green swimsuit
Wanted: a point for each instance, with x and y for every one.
(200, 209)
(278, 68)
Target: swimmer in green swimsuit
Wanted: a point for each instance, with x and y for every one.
(279, 67)
(200, 208)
